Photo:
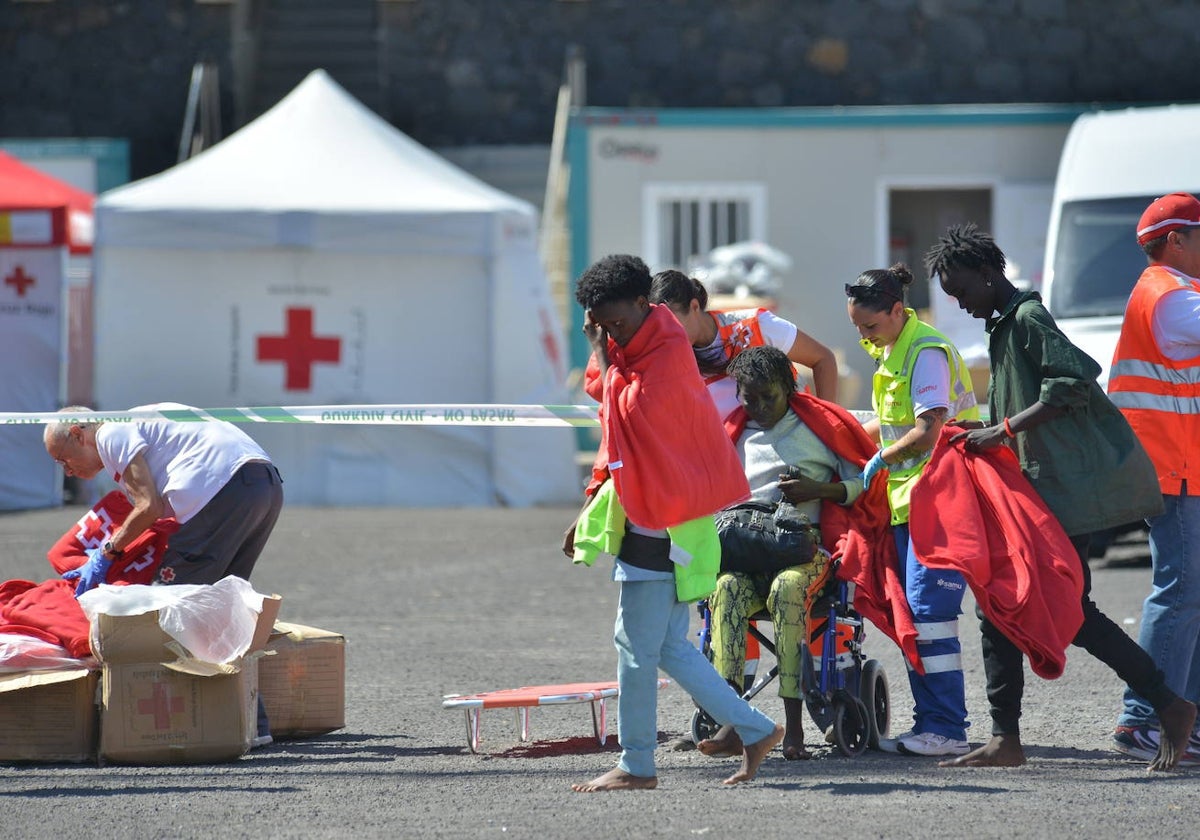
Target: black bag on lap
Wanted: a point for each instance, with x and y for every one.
(763, 537)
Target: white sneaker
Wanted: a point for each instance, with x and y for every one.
(260, 741)
(892, 745)
(930, 743)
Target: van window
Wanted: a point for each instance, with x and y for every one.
(1096, 259)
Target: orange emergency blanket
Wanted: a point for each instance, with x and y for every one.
(978, 514)
(661, 439)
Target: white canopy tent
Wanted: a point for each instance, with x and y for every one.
(319, 256)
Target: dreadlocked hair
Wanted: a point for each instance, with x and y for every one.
(762, 365)
(964, 246)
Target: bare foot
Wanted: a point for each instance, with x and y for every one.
(795, 752)
(725, 743)
(753, 755)
(1176, 722)
(617, 779)
(793, 739)
(1001, 751)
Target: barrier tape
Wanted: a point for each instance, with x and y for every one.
(362, 415)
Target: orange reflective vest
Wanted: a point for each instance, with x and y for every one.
(1160, 397)
(738, 330)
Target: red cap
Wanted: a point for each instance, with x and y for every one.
(1171, 212)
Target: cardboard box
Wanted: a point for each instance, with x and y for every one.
(154, 713)
(303, 681)
(157, 706)
(126, 639)
(48, 716)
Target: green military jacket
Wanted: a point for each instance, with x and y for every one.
(1086, 464)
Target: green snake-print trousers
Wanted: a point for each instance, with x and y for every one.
(739, 596)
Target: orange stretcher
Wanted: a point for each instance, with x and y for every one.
(525, 698)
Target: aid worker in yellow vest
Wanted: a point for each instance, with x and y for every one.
(920, 382)
(1155, 381)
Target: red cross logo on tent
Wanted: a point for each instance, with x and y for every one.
(299, 349)
(162, 704)
(19, 280)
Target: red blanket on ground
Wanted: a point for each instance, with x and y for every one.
(859, 536)
(979, 515)
(661, 439)
(46, 611)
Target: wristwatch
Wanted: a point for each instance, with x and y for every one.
(112, 551)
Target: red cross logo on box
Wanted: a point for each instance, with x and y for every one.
(299, 349)
(19, 280)
(162, 704)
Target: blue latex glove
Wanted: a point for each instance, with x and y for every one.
(873, 466)
(90, 574)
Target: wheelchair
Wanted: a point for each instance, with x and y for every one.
(846, 695)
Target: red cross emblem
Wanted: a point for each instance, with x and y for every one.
(94, 528)
(299, 349)
(162, 704)
(19, 280)
(166, 574)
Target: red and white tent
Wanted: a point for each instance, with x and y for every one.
(42, 219)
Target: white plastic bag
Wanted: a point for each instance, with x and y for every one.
(214, 623)
(19, 652)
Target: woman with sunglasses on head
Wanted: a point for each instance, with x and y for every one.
(717, 337)
(920, 382)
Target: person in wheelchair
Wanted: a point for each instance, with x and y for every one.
(785, 460)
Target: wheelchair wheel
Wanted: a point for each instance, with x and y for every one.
(703, 726)
(876, 697)
(850, 726)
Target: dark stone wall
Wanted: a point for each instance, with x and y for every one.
(458, 72)
(107, 68)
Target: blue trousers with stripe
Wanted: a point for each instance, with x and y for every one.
(935, 598)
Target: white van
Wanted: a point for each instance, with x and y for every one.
(1114, 163)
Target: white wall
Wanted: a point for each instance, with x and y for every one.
(824, 187)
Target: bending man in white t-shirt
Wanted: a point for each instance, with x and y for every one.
(218, 484)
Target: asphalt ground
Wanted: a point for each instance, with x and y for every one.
(434, 602)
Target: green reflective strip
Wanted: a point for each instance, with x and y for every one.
(274, 414)
(180, 416)
(574, 415)
(231, 415)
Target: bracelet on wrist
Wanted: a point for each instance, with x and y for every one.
(1008, 429)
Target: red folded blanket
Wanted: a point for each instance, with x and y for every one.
(142, 556)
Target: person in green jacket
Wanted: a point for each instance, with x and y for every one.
(1081, 456)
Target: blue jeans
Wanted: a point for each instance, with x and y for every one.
(1171, 614)
(651, 633)
(935, 598)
